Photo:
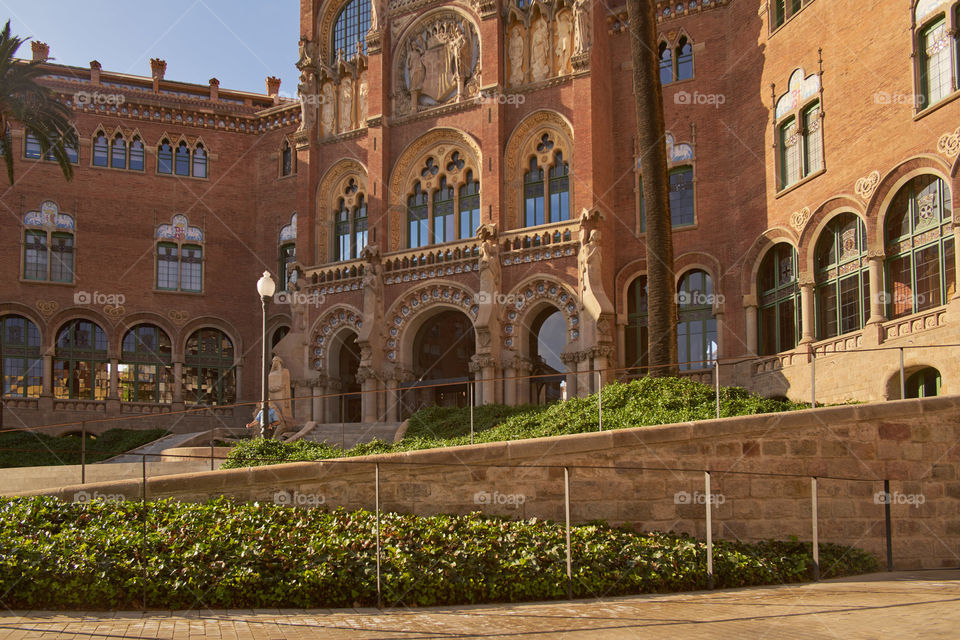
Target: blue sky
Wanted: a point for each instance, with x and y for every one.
(240, 42)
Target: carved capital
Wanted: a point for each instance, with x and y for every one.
(581, 62)
(480, 362)
(486, 8)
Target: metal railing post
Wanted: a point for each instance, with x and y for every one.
(903, 383)
(379, 589)
(813, 380)
(143, 506)
(707, 495)
(83, 452)
(716, 380)
(566, 508)
(211, 448)
(600, 401)
(816, 529)
(889, 523)
(470, 387)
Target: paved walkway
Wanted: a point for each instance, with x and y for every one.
(156, 447)
(899, 605)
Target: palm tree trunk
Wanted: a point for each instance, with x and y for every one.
(662, 326)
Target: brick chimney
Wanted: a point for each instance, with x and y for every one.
(95, 72)
(158, 68)
(214, 89)
(273, 88)
(41, 51)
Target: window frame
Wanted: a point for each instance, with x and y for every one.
(906, 246)
(777, 297)
(137, 363)
(28, 352)
(182, 259)
(72, 356)
(832, 277)
(444, 189)
(224, 366)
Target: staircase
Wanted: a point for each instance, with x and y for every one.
(349, 434)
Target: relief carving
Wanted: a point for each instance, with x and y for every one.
(362, 98)
(439, 63)
(539, 51)
(328, 105)
(346, 104)
(581, 32)
(563, 42)
(867, 185)
(515, 55)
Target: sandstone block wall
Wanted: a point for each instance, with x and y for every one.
(652, 478)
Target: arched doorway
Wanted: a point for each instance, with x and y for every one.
(548, 337)
(345, 353)
(442, 349)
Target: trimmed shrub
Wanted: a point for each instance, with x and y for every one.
(105, 555)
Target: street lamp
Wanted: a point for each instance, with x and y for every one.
(265, 287)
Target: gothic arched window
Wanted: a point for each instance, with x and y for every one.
(350, 28)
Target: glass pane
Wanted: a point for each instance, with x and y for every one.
(118, 153)
(100, 151)
(191, 268)
(199, 163)
(789, 153)
(61, 258)
(168, 267)
(681, 197)
(136, 155)
(850, 304)
(165, 159)
(813, 146)
(827, 311)
(928, 278)
(936, 73)
(35, 255)
(183, 160)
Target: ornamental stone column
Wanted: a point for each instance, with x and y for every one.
(333, 401)
(806, 310)
(873, 335)
(368, 400)
(750, 318)
(318, 389)
(522, 367)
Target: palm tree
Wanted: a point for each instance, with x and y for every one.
(651, 135)
(24, 100)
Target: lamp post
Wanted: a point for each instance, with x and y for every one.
(265, 287)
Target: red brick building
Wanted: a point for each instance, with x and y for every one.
(484, 151)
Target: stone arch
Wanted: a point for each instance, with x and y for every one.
(527, 299)
(57, 322)
(210, 322)
(409, 311)
(750, 264)
(521, 145)
(890, 185)
(440, 142)
(329, 188)
(814, 229)
(625, 277)
(698, 260)
(136, 319)
(341, 317)
(18, 309)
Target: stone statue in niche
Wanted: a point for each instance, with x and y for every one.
(539, 51)
(346, 104)
(489, 267)
(417, 72)
(375, 15)
(328, 104)
(515, 55)
(563, 44)
(581, 26)
(307, 88)
(362, 96)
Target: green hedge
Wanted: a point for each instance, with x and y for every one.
(643, 402)
(57, 555)
(35, 449)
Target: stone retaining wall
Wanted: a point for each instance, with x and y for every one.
(913, 443)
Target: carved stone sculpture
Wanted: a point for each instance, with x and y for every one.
(515, 55)
(539, 51)
(563, 42)
(328, 104)
(372, 324)
(438, 62)
(362, 96)
(581, 26)
(346, 104)
(278, 384)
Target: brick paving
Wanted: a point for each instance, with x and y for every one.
(900, 605)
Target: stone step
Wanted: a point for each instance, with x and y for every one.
(349, 434)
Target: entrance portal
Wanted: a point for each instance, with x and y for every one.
(442, 351)
(348, 363)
